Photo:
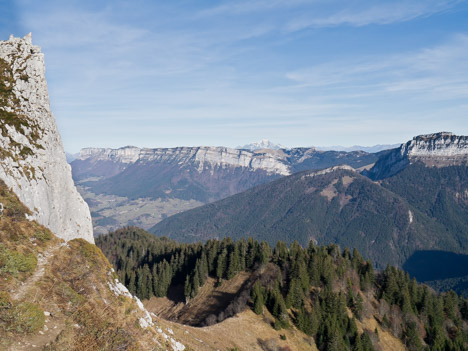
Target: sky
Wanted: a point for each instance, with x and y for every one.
(300, 73)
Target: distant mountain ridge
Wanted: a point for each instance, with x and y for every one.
(140, 187)
(267, 144)
(370, 149)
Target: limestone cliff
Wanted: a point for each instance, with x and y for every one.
(434, 150)
(32, 159)
(204, 157)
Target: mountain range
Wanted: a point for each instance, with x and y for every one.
(267, 144)
(403, 204)
(374, 148)
(133, 186)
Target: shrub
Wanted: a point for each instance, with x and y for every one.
(12, 262)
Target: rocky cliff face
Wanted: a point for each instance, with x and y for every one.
(205, 157)
(32, 159)
(208, 158)
(434, 150)
(442, 144)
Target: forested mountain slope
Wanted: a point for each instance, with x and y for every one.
(337, 205)
(334, 297)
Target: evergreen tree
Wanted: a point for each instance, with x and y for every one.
(412, 340)
(366, 342)
(188, 288)
(132, 282)
(257, 297)
(221, 264)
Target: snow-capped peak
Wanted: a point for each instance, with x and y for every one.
(262, 144)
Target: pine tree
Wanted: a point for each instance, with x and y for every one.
(295, 297)
(406, 306)
(412, 340)
(233, 265)
(221, 265)
(187, 288)
(366, 342)
(264, 252)
(195, 285)
(132, 282)
(257, 297)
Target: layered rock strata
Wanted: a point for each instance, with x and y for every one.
(434, 150)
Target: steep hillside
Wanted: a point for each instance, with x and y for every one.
(334, 297)
(337, 205)
(64, 296)
(32, 160)
(441, 193)
(147, 185)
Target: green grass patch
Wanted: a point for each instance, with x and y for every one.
(92, 253)
(22, 317)
(13, 263)
(43, 235)
(68, 294)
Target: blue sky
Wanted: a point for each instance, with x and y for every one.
(300, 73)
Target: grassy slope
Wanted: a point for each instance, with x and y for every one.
(40, 273)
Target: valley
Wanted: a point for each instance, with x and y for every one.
(110, 212)
(132, 186)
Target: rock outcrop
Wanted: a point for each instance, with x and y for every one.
(32, 159)
(434, 150)
(442, 144)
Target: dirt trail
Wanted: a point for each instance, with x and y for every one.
(54, 323)
(42, 261)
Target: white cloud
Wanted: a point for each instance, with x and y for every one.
(367, 13)
(436, 73)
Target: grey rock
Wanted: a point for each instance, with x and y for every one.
(32, 162)
(434, 150)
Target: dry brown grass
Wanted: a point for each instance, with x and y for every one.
(211, 299)
(386, 340)
(246, 331)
